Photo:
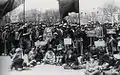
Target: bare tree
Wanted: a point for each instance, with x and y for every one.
(109, 10)
(30, 16)
(51, 16)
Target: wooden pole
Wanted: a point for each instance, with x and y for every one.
(79, 14)
(24, 12)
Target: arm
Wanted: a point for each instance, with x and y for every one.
(14, 56)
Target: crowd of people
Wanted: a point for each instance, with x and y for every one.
(90, 46)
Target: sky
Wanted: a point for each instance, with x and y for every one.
(85, 5)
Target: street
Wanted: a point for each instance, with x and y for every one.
(37, 70)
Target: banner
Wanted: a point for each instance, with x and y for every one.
(111, 31)
(8, 5)
(67, 6)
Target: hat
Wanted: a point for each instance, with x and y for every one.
(60, 24)
(18, 49)
(65, 24)
(6, 27)
(55, 33)
(40, 36)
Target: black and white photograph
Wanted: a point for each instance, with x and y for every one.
(59, 37)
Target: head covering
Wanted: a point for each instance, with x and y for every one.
(6, 27)
(18, 49)
(65, 24)
(55, 33)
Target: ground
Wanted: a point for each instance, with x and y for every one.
(38, 70)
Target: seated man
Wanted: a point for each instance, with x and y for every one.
(17, 60)
(32, 54)
(49, 57)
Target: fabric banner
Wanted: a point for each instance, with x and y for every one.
(111, 31)
(67, 6)
(8, 5)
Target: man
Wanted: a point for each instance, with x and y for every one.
(5, 37)
(80, 33)
(26, 44)
(49, 57)
(98, 31)
(17, 59)
(1, 43)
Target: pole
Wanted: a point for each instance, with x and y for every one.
(112, 16)
(79, 14)
(24, 12)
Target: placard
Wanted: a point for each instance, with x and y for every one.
(99, 43)
(119, 43)
(40, 43)
(111, 31)
(90, 33)
(67, 41)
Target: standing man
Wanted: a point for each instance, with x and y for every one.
(98, 31)
(5, 37)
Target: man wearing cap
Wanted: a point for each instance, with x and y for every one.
(5, 37)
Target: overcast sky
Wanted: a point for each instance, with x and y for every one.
(86, 5)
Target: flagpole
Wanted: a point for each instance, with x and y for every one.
(79, 14)
(24, 12)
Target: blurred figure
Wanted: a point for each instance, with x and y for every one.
(98, 31)
(6, 40)
(17, 60)
(49, 57)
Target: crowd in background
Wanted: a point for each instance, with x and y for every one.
(19, 38)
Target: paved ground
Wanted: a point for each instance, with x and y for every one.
(38, 70)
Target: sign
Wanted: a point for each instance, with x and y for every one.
(67, 41)
(40, 43)
(100, 43)
(91, 33)
(111, 31)
(119, 43)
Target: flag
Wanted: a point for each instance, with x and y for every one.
(67, 6)
(8, 5)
